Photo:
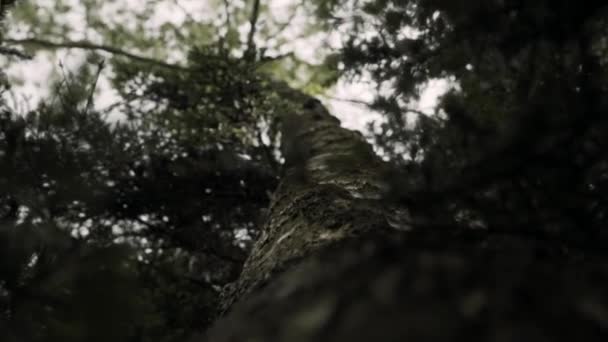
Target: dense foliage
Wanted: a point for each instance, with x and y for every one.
(149, 216)
(126, 230)
(516, 143)
(180, 203)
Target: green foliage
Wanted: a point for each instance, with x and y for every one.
(128, 229)
(147, 30)
(180, 179)
(516, 143)
(181, 185)
(157, 210)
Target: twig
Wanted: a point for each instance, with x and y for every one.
(371, 106)
(227, 10)
(253, 20)
(282, 26)
(66, 82)
(354, 101)
(90, 99)
(267, 59)
(185, 11)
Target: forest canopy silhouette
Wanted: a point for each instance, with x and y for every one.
(138, 220)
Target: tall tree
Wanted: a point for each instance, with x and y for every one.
(336, 262)
(487, 223)
(505, 228)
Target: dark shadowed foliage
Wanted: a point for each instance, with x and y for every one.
(517, 142)
(136, 226)
(178, 189)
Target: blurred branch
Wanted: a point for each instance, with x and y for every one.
(371, 106)
(283, 26)
(227, 9)
(94, 47)
(184, 10)
(353, 101)
(7, 51)
(269, 59)
(253, 20)
(100, 67)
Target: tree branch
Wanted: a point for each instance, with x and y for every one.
(282, 26)
(253, 20)
(371, 105)
(81, 44)
(7, 51)
(100, 67)
(184, 10)
(227, 10)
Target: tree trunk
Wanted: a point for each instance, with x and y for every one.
(334, 262)
(330, 191)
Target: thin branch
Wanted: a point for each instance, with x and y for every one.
(353, 101)
(100, 67)
(267, 59)
(253, 20)
(371, 106)
(227, 10)
(184, 10)
(282, 26)
(65, 82)
(95, 47)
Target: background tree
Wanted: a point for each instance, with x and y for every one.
(514, 144)
(181, 182)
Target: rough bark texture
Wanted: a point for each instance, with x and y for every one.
(330, 191)
(334, 263)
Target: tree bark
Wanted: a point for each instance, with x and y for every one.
(330, 191)
(334, 262)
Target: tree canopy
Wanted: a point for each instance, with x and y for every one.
(124, 222)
